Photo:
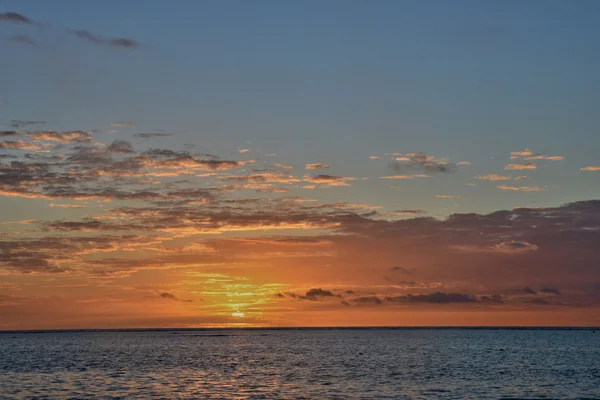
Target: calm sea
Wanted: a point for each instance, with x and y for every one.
(302, 364)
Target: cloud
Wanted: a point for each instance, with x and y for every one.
(591, 168)
(96, 39)
(528, 155)
(422, 161)
(493, 177)
(329, 180)
(315, 293)
(528, 290)
(242, 151)
(436, 298)
(9, 133)
(151, 135)
(14, 17)
(544, 157)
(509, 247)
(464, 163)
(373, 157)
(65, 137)
(514, 246)
(401, 213)
(520, 188)
(521, 154)
(550, 290)
(281, 166)
(520, 166)
(22, 39)
(123, 124)
(442, 196)
(120, 146)
(66, 205)
(367, 300)
(18, 123)
(122, 42)
(171, 296)
(18, 145)
(317, 166)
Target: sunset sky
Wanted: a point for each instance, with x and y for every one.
(312, 163)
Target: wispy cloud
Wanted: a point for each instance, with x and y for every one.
(317, 166)
(97, 39)
(14, 17)
(123, 124)
(18, 123)
(493, 177)
(22, 39)
(520, 166)
(520, 188)
(591, 168)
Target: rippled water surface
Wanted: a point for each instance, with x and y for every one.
(302, 364)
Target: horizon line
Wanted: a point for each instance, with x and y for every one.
(291, 328)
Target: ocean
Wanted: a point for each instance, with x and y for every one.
(302, 364)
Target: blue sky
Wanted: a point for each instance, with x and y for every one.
(328, 82)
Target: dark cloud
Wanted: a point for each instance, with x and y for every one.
(368, 300)
(495, 298)
(423, 162)
(96, 39)
(437, 298)
(85, 35)
(528, 290)
(402, 270)
(122, 42)
(9, 133)
(550, 290)
(171, 296)
(18, 123)
(63, 137)
(314, 293)
(151, 135)
(22, 39)
(120, 146)
(14, 17)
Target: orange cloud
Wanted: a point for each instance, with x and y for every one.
(520, 166)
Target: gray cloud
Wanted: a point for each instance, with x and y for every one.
(151, 135)
(18, 123)
(22, 39)
(171, 296)
(368, 300)
(437, 297)
(550, 290)
(14, 17)
(96, 39)
(423, 162)
(314, 293)
(120, 146)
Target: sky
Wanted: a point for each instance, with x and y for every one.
(268, 163)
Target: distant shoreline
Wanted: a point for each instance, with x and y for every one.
(333, 328)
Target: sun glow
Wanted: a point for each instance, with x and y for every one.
(237, 314)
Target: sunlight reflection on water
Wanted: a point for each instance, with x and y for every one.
(311, 364)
